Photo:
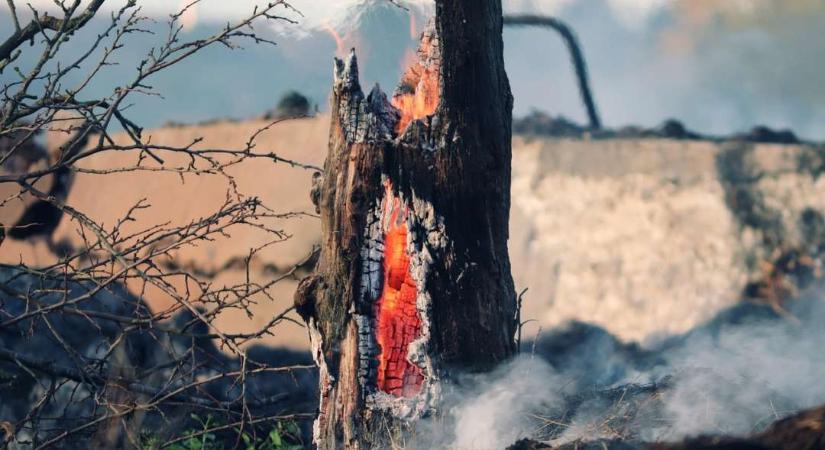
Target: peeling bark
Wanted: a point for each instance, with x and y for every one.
(413, 280)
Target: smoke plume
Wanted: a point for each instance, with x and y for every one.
(735, 375)
(719, 66)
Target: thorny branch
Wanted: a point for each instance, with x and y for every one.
(112, 365)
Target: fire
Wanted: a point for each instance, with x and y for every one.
(339, 41)
(413, 27)
(398, 320)
(189, 18)
(418, 93)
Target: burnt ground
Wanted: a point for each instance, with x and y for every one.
(802, 431)
(538, 123)
(31, 356)
(597, 364)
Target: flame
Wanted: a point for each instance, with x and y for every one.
(418, 93)
(413, 27)
(399, 323)
(340, 49)
(189, 18)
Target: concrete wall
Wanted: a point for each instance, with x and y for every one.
(650, 237)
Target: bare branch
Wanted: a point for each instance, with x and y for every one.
(41, 23)
(97, 359)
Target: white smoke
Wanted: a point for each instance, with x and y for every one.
(314, 14)
(494, 413)
(635, 13)
(733, 377)
(345, 15)
(632, 13)
(309, 15)
(550, 7)
(746, 376)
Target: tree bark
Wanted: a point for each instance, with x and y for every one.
(413, 282)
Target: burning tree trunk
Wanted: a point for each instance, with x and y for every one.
(413, 280)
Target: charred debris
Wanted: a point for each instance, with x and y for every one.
(542, 124)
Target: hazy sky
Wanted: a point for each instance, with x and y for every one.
(720, 66)
(316, 13)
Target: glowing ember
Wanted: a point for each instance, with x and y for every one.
(398, 321)
(418, 93)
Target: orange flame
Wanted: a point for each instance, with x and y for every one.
(418, 93)
(189, 18)
(413, 27)
(399, 323)
(339, 42)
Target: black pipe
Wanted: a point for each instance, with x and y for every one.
(575, 55)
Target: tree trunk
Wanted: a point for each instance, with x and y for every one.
(413, 282)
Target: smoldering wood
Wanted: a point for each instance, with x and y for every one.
(444, 178)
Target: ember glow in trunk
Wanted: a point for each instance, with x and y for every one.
(413, 281)
(398, 319)
(393, 316)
